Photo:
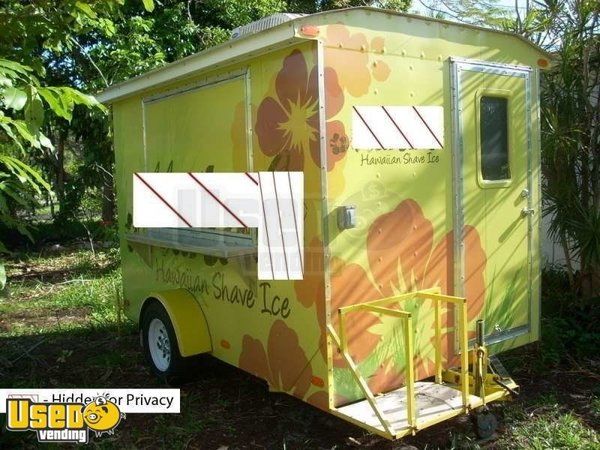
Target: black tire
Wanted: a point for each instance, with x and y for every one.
(176, 365)
(486, 424)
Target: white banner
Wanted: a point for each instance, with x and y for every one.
(273, 202)
(397, 127)
(151, 401)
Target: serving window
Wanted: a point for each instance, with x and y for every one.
(201, 127)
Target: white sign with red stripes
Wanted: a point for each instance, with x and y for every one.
(397, 127)
(273, 202)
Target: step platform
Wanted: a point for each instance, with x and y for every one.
(433, 401)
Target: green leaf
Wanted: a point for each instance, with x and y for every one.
(24, 132)
(22, 228)
(22, 177)
(64, 99)
(86, 9)
(108, 26)
(16, 195)
(14, 66)
(45, 142)
(33, 175)
(54, 102)
(14, 98)
(8, 130)
(5, 81)
(34, 113)
(79, 98)
(148, 5)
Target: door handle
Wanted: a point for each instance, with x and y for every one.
(527, 212)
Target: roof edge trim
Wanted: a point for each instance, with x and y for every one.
(219, 55)
(241, 48)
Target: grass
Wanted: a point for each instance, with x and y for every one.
(59, 328)
(540, 423)
(80, 304)
(69, 291)
(548, 429)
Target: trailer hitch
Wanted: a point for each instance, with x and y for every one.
(506, 387)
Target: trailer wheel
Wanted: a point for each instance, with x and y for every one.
(160, 343)
(486, 424)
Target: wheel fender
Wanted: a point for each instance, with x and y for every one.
(189, 321)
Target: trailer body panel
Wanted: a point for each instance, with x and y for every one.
(405, 191)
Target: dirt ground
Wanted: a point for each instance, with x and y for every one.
(58, 328)
(222, 407)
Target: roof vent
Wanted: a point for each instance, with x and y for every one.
(263, 24)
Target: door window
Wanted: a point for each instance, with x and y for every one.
(493, 123)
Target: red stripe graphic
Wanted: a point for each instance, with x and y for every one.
(427, 125)
(296, 224)
(217, 199)
(368, 128)
(163, 200)
(397, 127)
(252, 178)
(280, 226)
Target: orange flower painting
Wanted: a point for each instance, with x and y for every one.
(402, 258)
(283, 364)
(311, 289)
(287, 123)
(351, 55)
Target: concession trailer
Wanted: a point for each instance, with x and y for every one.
(419, 144)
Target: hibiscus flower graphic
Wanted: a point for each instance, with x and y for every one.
(402, 258)
(355, 59)
(283, 364)
(287, 123)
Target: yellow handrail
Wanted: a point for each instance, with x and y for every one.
(461, 302)
(410, 382)
(375, 306)
(363, 385)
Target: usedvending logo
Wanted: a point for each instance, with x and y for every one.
(63, 422)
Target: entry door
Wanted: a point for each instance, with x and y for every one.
(493, 188)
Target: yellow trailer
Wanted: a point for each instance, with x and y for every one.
(420, 146)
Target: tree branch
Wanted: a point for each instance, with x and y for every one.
(90, 59)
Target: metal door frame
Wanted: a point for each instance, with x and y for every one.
(458, 65)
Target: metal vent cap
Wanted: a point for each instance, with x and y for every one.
(263, 24)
